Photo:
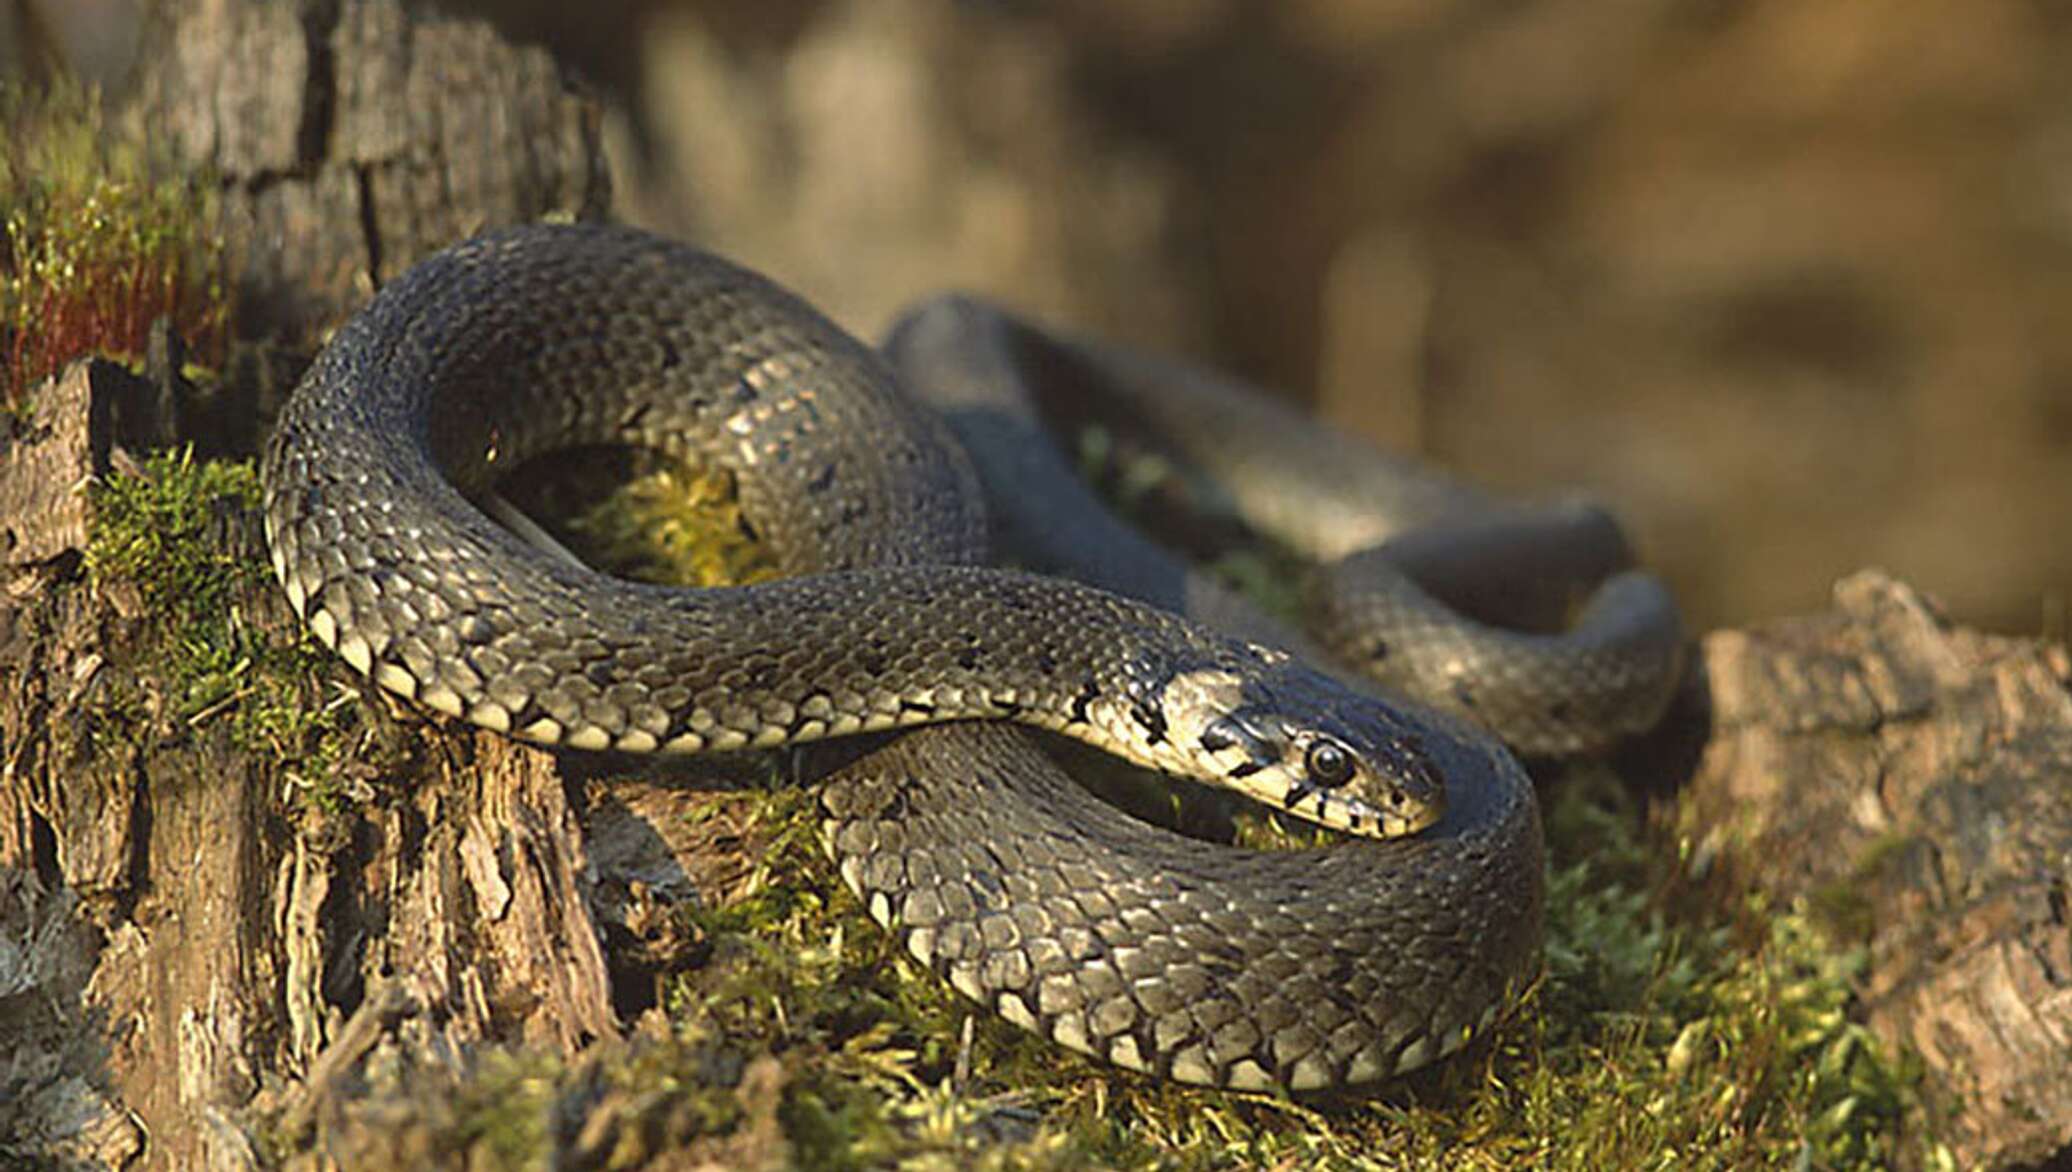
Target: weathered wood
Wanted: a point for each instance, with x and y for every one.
(1915, 780)
(45, 463)
(352, 137)
(235, 915)
(225, 916)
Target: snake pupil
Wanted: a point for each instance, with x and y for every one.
(1330, 765)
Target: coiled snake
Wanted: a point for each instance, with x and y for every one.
(1303, 969)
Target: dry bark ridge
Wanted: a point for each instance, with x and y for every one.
(231, 921)
(1915, 776)
(352, 137)
(222, 923)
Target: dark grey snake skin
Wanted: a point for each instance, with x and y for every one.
(1426, 585)
(1301, 970)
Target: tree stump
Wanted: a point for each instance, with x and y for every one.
(353, 137)
(1915, 779)
(225, 915)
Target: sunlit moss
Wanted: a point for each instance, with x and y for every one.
(504, 1115)
(674, 524)
(164, 530)
(1650, 1041)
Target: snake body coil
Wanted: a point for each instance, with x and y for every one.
(1301, 969)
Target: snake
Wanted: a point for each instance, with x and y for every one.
(940, 679)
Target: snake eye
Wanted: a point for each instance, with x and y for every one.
(1329, 763)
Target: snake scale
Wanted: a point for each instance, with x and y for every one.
(1320, 968)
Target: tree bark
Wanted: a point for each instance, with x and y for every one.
(1911, 777)
(229, 917)
(353, 137)
(445, 881)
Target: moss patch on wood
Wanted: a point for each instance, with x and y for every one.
(163, 530)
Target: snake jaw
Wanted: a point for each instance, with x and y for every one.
(1288, 736)
(1411, 794)
(1386, 789)
(1294, 738)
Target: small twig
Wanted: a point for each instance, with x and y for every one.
(511, 517)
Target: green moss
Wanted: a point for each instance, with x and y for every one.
(100, 235)
(1718, 1038)
(165, 531)
(504, 1115)
(673, 524)
(156, 530)
(871, 1042)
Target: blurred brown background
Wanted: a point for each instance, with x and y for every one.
(1785, 280)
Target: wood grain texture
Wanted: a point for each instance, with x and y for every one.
(1912, 777)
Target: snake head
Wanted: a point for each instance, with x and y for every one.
(1328, 755)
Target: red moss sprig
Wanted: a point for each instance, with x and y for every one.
(97, 241)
